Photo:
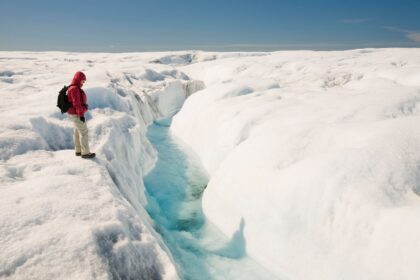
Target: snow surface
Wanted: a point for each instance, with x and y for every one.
(317, 154)
(67, 218)
(313, 161)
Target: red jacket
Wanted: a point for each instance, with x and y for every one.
(77, 96)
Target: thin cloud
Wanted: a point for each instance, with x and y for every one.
(409, 34)
(414, 36)
(354, 20)
(392, 28)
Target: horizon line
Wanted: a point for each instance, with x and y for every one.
(237, 47)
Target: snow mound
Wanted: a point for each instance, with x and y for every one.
(106, 98)
(318, 153)
(175, 59)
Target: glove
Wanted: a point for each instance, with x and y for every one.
(82, 119)
(87, 107)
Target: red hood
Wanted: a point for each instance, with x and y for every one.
(78, 77)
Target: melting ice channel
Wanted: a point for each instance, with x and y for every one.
(174, 189)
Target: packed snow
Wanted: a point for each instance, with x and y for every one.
(318, 153)
(311, 161)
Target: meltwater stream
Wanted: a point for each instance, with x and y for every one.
(174, 189)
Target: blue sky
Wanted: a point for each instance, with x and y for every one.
(154, 25)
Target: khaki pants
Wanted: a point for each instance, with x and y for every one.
(80, 136)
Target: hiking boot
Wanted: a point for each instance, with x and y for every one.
(90, 155)
(78, 154)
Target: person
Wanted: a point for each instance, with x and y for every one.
(76, 113)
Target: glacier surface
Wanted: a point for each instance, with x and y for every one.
(312, 161)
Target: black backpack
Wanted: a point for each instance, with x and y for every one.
(62, 100)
